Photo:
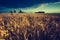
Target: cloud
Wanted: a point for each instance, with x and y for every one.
(47, 7)
(35, 8)
(23, 3)
(56, 2)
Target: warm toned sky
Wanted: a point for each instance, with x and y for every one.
(49, 6)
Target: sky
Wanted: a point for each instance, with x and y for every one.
(48, 6)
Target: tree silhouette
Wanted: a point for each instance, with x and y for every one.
(11, 12)
(20, 11)
(40, 12)
(14, 11)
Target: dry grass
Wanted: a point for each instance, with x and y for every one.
(29, 26)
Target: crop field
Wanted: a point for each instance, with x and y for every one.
(29, 26)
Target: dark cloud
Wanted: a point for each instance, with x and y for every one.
(23, 3)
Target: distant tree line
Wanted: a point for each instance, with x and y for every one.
(40, 12)
(24, 12)
(15, 11)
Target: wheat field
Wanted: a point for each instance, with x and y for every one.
(29, 26)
